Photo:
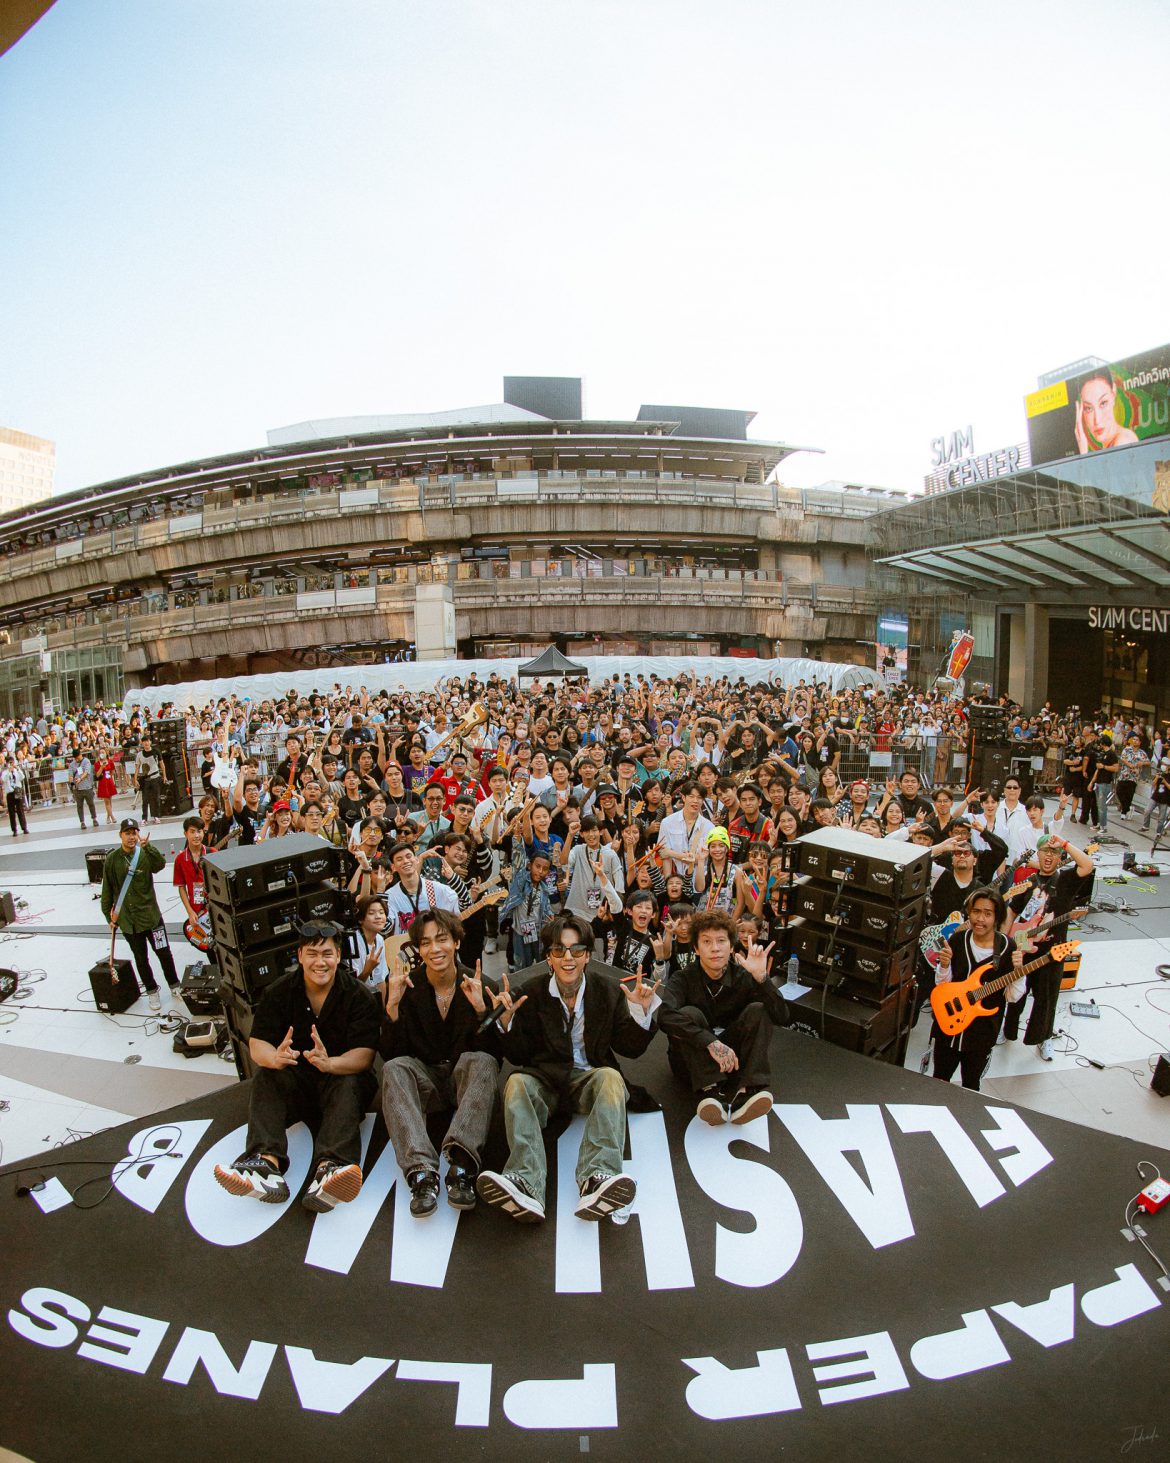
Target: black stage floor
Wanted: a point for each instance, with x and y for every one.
(883, 1266)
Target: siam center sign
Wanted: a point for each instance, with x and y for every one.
(956, 464)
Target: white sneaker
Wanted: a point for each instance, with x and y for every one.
(154, 1000)
(1045, 1050)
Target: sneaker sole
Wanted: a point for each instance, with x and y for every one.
(341, 1187)
(711, 1112)
(755, 1107)
(243, 1188)
(618, 1193)
(461, 1204)
(495, 1194)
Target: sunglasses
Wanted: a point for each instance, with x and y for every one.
(560, 951)
(325, 930)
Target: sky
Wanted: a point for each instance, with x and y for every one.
(871, 225)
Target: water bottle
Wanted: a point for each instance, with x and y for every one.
(793, 969)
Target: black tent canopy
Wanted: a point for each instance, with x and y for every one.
(551, 662)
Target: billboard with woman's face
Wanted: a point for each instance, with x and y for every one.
(1110, 406)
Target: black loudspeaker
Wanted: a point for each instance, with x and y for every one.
(116, 990)
(1160, 1082)
(238, 877)
(248, 973)
(871, 1031)
(95, 861)
(7, 909)
(175, 793)
(200, 989)
(276, 920)
(891, 873)
(992, 764)
(238, 1013)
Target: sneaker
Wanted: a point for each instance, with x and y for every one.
(511, 1194)
(154, 1000)
(253, 1177)
(334, 1183)
(711, 1110)
(748, 1105)
(1011, 1035)
(460, 1186)
(602, 1193)
(1044, 1051)
(424, 1192)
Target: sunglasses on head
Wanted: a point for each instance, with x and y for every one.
(323, 930)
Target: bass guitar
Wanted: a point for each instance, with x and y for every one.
(956, 1003)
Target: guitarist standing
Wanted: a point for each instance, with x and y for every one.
(980, 944)
(1053, 891)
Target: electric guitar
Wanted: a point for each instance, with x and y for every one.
(398, 947)
(198, 932)
(1024, 936)
(934, 937)
(956, 1003)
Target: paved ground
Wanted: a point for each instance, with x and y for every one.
(67, 1070)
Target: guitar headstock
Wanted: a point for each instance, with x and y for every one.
(1092, 848)
(494, 897)
(1062, 952)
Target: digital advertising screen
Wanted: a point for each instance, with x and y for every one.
(1114, 405)
(892, 646)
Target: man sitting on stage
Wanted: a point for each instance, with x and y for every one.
(313, 1040)
(562, 1033)
(718, 1013)
(437, 1058)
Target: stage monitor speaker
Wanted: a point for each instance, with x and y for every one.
(95, 861)
(113, 991)
(7, 909)
(894, 873)
(238, 877)
(200, 989)
(865, 1029)
(250, 972)
(1160, 1082)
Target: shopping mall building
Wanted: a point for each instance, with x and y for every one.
(495, 530)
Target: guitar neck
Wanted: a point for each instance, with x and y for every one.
(1001, 982)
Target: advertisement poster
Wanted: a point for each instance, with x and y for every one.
(893, 642)
(1116, 405)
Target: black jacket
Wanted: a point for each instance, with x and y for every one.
(718, 1002)
(421, 1032)
(538, 1040)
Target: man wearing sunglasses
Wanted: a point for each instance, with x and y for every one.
(314, 1035)
(562, 1033)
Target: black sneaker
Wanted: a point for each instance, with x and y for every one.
(510, 1193)
(460, 1186)
(334, 1183)
(424, 1192)
(602, 1193)
(253, 1177)
(749, 1104)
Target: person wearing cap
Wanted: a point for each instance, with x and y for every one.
(135, 913)
(1051, 892)
(314, 1037)
(279, 822)
(714, 873)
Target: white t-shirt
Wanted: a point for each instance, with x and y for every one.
(431, 894)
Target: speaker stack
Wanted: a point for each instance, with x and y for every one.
(858, 906)
(257, 897)
(169, 739)
(991, 748)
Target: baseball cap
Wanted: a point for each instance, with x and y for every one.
(281, 805)
(607, 789)
(128, 825)
(719, 835)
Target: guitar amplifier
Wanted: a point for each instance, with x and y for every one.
(7, 909)
(872, 1031)
(249, 972)
(95, 862)
(875, 971)
(894, 872)
(238, 877)
(200, 989)
(276, 919)
(113, 995)
(885, 925)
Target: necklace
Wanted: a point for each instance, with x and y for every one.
(443, 999)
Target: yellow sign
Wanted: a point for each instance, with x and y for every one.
(1050, 399)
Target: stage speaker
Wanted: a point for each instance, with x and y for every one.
(871, 1031)
(95, 861)
(893, 873)
(276, 920)
(7, 909)
(249, 972)
(992, 764)
(200, 989)
(116, 990)
(238, 1014)
(1160, 1082)
(238, 877)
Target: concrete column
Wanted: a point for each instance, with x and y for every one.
(1015, 631)
(1035, 657)
(434, 622)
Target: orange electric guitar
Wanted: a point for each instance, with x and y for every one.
(956, 1003)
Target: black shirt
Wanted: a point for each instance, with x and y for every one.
(350, 810)
(250, 824)
(349, 1017)
(437, 1040)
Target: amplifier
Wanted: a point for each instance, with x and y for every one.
(95, 861)
(7, 909)
(885, 925)
(200, 989)
(276, 919)
(248, 972)
(237, 877)
(113, 995)
(877, 970)
(895, 872)
(869, 1030)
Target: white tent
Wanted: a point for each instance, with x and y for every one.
(423, 675)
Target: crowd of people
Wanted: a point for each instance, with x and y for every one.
(622, 848)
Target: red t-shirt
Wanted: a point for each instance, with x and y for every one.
(189, 876)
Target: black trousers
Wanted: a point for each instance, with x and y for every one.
(146, 940)
(972, 1057)
(151, 797)
(748, 1037)
(1125, 792)
(332, 1105)
(16, 810)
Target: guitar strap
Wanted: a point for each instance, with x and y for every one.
(126, 882)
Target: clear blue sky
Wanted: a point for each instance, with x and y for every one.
(870, 224)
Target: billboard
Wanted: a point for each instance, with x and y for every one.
(1114, 405)
(893, 646)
